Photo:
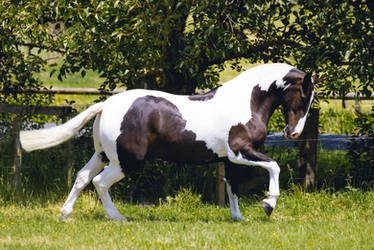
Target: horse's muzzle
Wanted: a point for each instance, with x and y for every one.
(289, 135)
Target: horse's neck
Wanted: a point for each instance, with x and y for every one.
(263, 105)
(248, 101)
(264, 117)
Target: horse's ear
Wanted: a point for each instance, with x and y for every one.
(307, 82)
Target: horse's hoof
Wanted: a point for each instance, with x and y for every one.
(239, 218)
(64, 219)
(118, 218)
(267, 208)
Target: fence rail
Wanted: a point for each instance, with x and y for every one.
(350, 96)
(60, 111)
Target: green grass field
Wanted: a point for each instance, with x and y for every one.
(301, 221)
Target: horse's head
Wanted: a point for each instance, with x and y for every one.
(296, 101)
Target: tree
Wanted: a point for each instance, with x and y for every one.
(18, 65)
(168, 45)
(335, 38)
(179, 46)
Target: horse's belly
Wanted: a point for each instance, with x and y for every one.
(186, 150)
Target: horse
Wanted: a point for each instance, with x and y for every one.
(228, 123)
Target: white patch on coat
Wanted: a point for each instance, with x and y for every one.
(266, 74)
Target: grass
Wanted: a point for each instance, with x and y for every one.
(90, 80)
(301, 221)
(337, 106)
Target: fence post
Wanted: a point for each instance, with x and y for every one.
(67, 155)
(308, 150)
(17, 165)
(357, 104)
(220, 184)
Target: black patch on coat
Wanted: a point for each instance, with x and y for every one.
(153, 127)
(244, 138)
(205, 96)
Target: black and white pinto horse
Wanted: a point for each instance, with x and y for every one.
(227, 123)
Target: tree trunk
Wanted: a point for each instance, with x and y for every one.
(177, 84)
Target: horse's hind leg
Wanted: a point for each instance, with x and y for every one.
(102, 182)
(85, 175)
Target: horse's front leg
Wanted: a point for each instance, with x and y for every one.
(247, 155)
(233, 176)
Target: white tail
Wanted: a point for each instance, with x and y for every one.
(49, 137)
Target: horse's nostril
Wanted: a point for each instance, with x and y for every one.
(294, 135)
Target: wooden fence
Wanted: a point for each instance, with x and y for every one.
(61, 111)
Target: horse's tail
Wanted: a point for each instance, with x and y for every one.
(49, 137)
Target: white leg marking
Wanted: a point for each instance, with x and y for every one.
(234, 206)
(103, 182)
(85, 175)
(273, 169)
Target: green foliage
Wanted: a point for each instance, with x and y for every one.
(17, 67)
(276, 122)
(361, 151)
(364, 123)
(338, 43)
(184, 199)
(337, 122)
(330, 122)
(180, 45)
(335, 171)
